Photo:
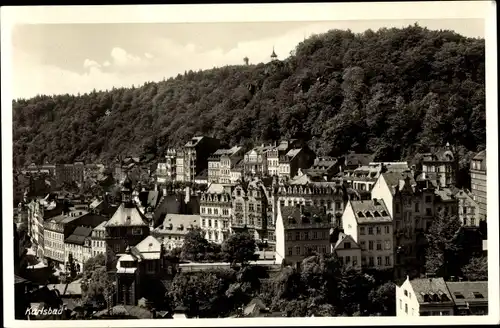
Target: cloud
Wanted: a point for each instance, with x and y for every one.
(87, 63)
(106, 63)
(122, 57)
(148, 55)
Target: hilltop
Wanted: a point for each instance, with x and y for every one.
(392, 92)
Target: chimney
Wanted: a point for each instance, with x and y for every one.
(187, 197)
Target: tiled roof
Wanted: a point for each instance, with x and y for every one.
(127, 216)
(148, 245)
(102, 226)
(367, 211)
(203, 175)
(173, 223)
(396, 180)
(468, 291)
(429, 286)
(343, 237)
(78, 236)
(293, 152)
(308, 216)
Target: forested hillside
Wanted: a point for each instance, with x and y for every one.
(392, 92)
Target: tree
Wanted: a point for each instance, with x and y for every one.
(195, 246)
(245, 60)
(383, 299)
(240, 248)
(441, 246)
(476, 269)
(71, 266)
(92, 264)
(98, 286)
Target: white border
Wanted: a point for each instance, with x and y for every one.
(252, 13)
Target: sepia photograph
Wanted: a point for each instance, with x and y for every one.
(319, 162)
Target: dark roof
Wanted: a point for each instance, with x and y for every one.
(301, 218)
(359, 159)
(78, 236)
(429, 286)
(468, 291)
(19, 280)
(366, 211)
(202, 175)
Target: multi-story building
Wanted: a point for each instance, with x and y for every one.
(293, 160)
(179, 165)
(250, 206)
(364, 177)
(347, 250)
(68, 173)
(331, 196)
(274, 153)
(424, 297)
(412, 205)
(98, 238)
(166, 170)
(369, 223)
(478, 182)
(468, 209)
(221, 162)
(255, 161)
(127, 227)
(38, 211)
(323, 168)
(354, 160)
(79, 245)
(301, 231)
(439, 166)
(237, 171)
(215, 212)
(195, 155)
(173, 230)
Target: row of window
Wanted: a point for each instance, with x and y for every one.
(479, 187)
(308, 235)
(251, 220)
(250, 193)
(371, 243)
(371, 261)
(98, 243)
(214, 211)
(54, 235)
(328, 203)
(208, 223)
(251, 208)
(305, 250)
(375, 230)
(54, 254)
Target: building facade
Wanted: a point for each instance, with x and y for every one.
(478, 182)
(195, 155)
(215, 212)
(439, 166)
(166, 170)
(468, 209)
(300, 232)
(172, 232)
(369, 224)
(347, 251)
(79, 246)
(98, 239)
(255, 161)
(293, 160)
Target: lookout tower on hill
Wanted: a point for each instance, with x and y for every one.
(274, 57)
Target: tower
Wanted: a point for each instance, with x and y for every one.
(274, 57)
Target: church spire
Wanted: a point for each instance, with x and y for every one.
(127, 189)
(273, 55)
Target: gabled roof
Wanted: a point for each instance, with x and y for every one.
(215, 188)
(445, 194)
(293, 152)
(308, 216)
(78, 236)
(468, 291)
(359, 159)
(396, 180)
(480, 155)
(149, 245)
(367, 211)
(429, 286)
(127, 216)
(345, 238)
(177, 224)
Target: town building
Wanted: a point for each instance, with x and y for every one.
(172, 232)
(293, 160)
(79, 246)
(202, 178)
(98, 238)
(347, 251)
(237, 171)
(221, 162)
(250, 208)
(69, 173)
(468, 209)
(354, 160)
(166, 170)
(275, 152)
(127, 227)
(301, 231)
(179, 165)
(323, 168)
(195, 154)
(478, 182)
(215, 212)
(255, 161)
(370, 225)
(40, 210)
(424, 297)
(364, 177)
(49, 169)
(438, 166)
(470, 297)
(140, 270)
(302, 191)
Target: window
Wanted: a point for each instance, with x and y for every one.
(216, 223)
(370, 230)
(363, 260)
(379, 260)
(315, 235)
(216, 211)
(406, 292)
(387, 260)
(379, 230)
(347, 259)
(371, 261)
(290, 252)
(250, 207)
(379, 245)
(116, 248)
(478, 295)
(473, 221)
(370, 245)
(387, 245)
(387, 229)
(397, 208)
(363, 245)
(306, 235)
(406, 308)
(361, 230)
(338, 206)
(225, 211)
(417, 207)
(239, 207)
(297, 235)
(400, 303)
(136, 231)
(288, 236)
(203, 223)
(458, 295)
(210, 223)
(297, 250)
(347, 245)
(202, 210)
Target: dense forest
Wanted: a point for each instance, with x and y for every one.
(393, 92)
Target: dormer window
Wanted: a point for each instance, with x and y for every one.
(360, 214)
(477, 295)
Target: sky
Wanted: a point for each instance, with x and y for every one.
(77, 58)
